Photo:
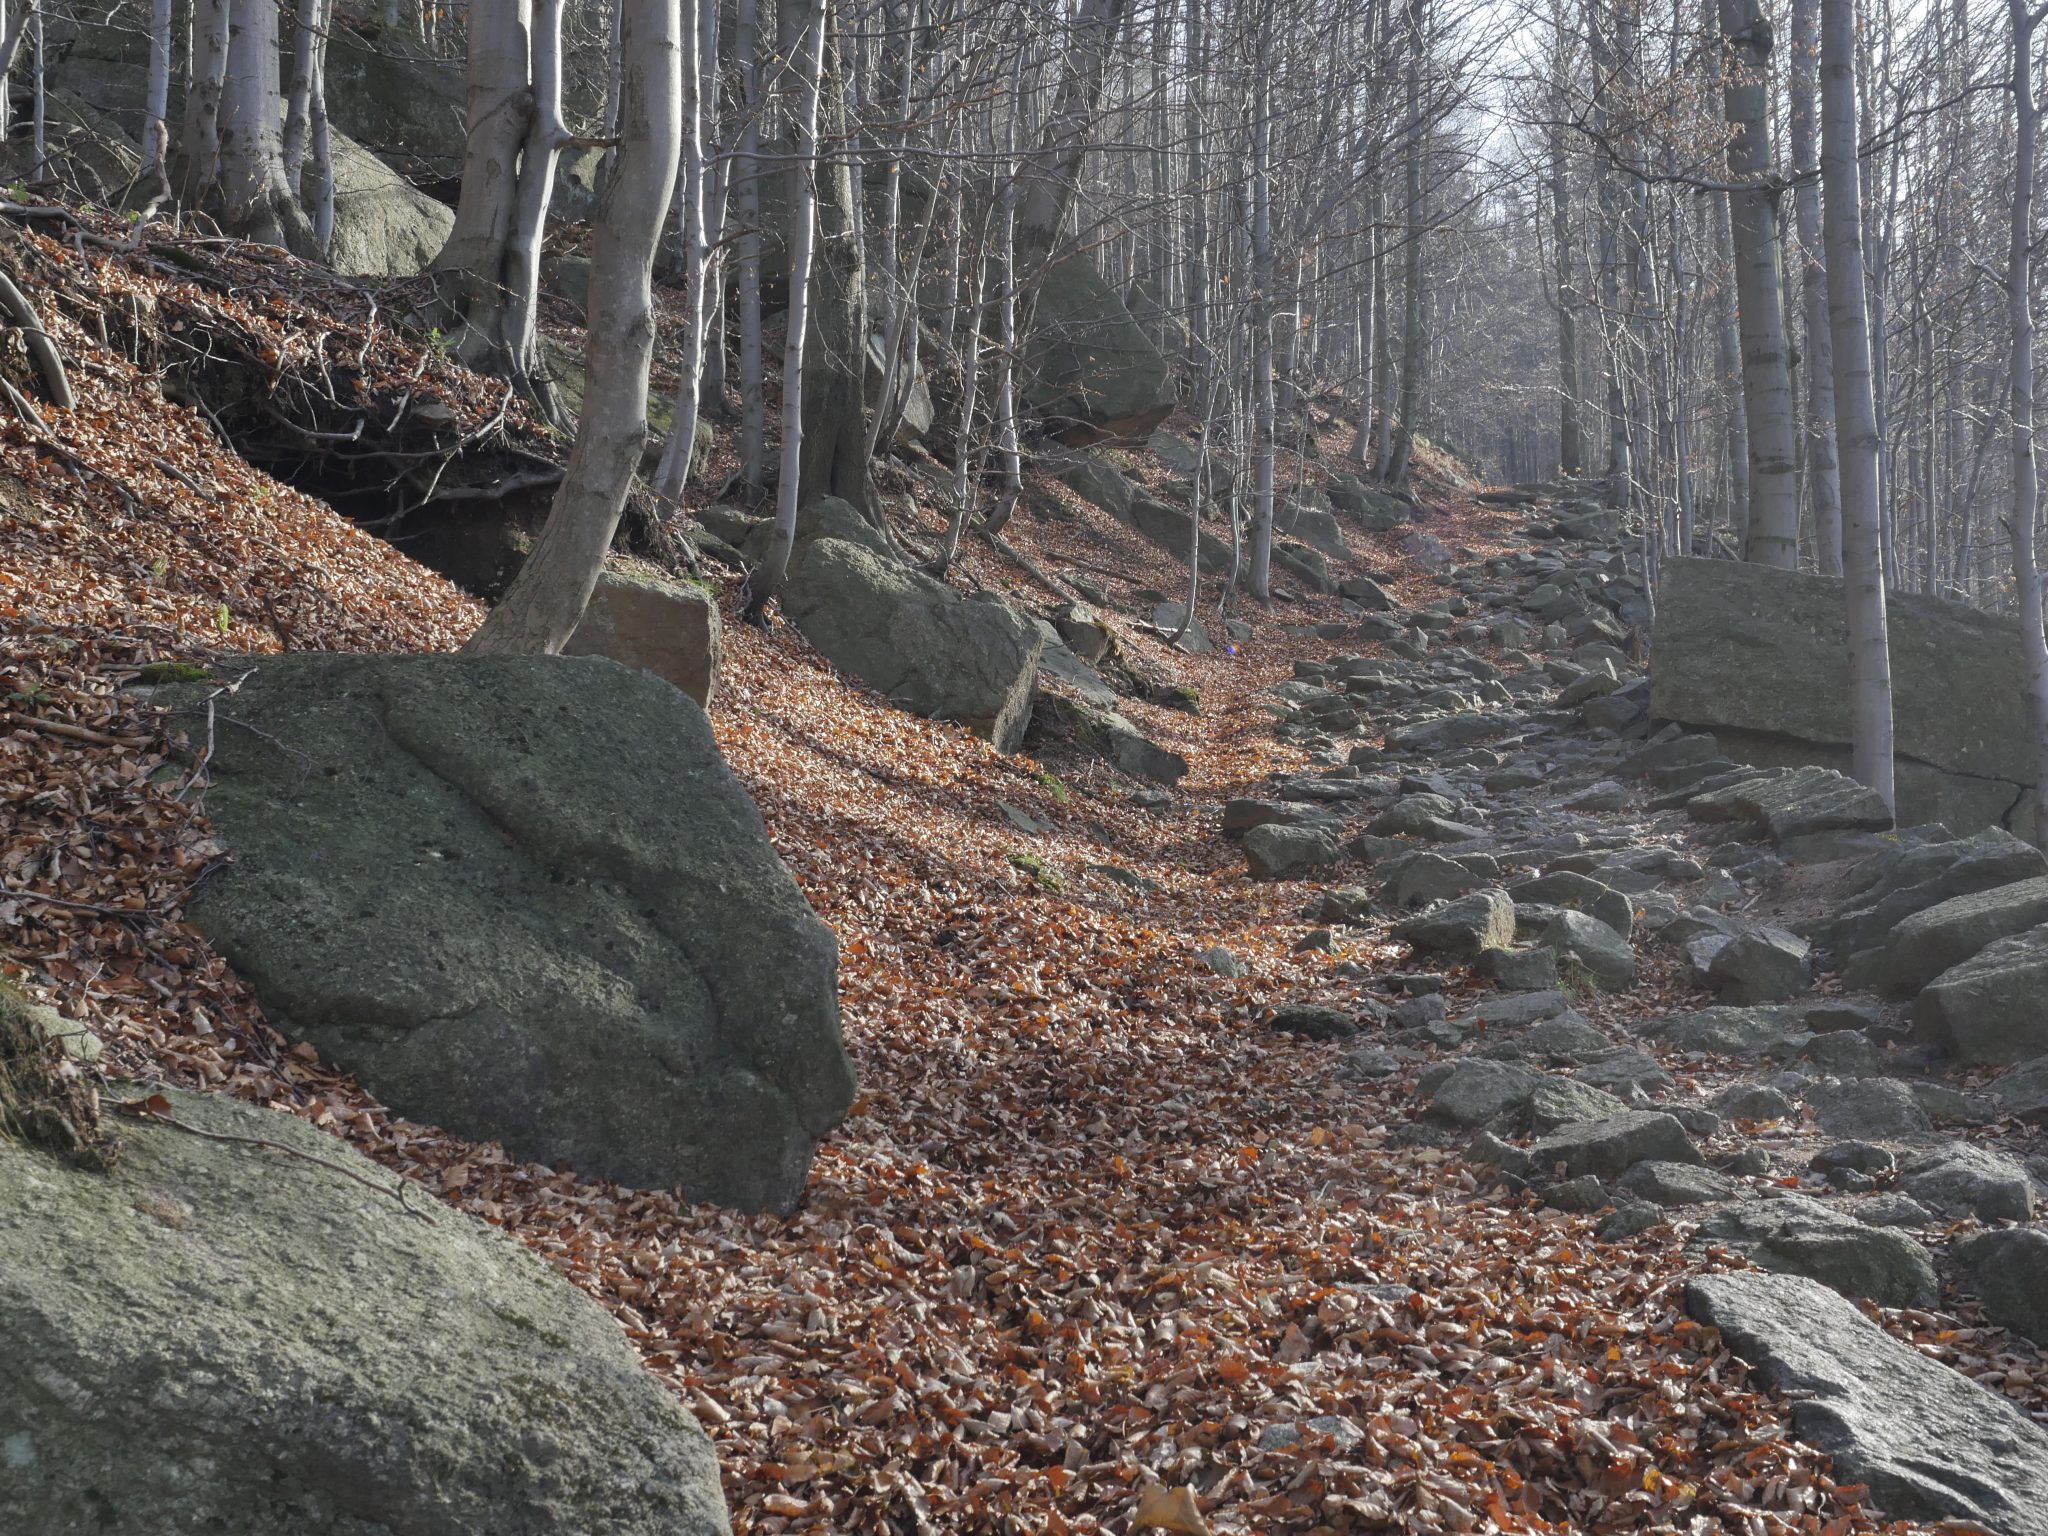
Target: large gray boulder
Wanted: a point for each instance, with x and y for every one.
(383, 225)
(1882, 891)
(930, 648)
(1797, 1236)
(1947, 934)
(2005, 1269)
(1989, 1008)
(1931, 1443)
(1760, 657)
(1795, 802)
(523, 898)
(669, 628)
(1461, 928)
(215, 1336)
(1091, 371)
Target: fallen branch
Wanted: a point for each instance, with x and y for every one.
(41, 348)
(156, 1109)
(71, 732)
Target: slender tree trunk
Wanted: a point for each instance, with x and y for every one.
(835, 437)
(700, 83)
(1760, 289)
(156, 109)
(1571, 452)
(471, 263)
(255, 199)
(747, 171)
(808, 45)
(199, 136)
(1258, 578)
(547, 598)
(1870, 673)
(2025, 481)
(1413, 349)
(1824, 491)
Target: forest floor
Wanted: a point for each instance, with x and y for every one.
(1091, 1228)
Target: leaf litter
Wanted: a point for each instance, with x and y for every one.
(1095, 1250)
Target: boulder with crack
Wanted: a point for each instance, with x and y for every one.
(523, 898)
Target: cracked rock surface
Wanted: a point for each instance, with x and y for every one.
(524, 898)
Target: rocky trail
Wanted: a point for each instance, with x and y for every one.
(1346, 1073)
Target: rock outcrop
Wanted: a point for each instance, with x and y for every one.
(669, 628)
(216, 1336)
(1759, 656)
(932, 649)
(523, 898)
(1091, 370)
(1931, 1444)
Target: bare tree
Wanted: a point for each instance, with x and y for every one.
(2025, 472)
(1760, 288)
(1870, 672)
(546, 600)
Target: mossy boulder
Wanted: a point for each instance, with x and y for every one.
(216, 1336)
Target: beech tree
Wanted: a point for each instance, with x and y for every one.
(546, 600)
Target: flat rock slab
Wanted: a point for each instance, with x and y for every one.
(1932, 1444)
(219, 1337)
(1797, 1236)
(523, 898)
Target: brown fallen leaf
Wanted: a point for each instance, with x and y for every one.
(1169, 1509)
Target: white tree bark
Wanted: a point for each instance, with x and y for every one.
(1259, 578)
(256, 200)
(1870, 672)
(1413, 352)
(1823, 482)
(746, 174)
(546, 600)
(499, 106)
(199, 135)
(766, 579)
(157, 106)
(2025, 471)
(1760, 291)
(700, 108)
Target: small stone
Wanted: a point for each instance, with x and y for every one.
(1563, 1101)
(1585, 1193)
(1973, 1181)
(1519, 970)
(1859, 1156)
(1753, 1101)
(1314, 1021)
(1222, 961)
(1317, 939)
(1764, 965)
(1604, 954)
(1630, 1218)
(1464, 927)
(1609, 1147)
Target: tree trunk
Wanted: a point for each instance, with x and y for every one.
(1258, 577)
(1571, 453)
(199, 135)
(801, 25)
(499, 107)
(700, 104)
(256, 201)
(1824, 491)
(1048, 176)
(746, 173)
(1413, 351)
(835, 438)
(546, 600)
(2025, 482)
(1870, 673)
